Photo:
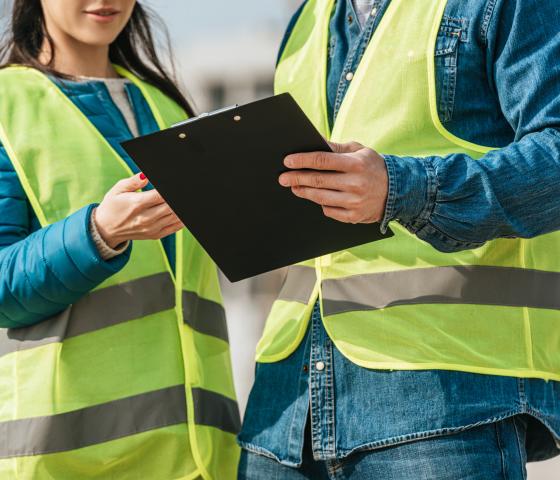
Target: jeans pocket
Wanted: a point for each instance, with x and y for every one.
(451, 33)
(511, 435)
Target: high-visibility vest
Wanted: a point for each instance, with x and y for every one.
(399, 303)
(134, 380)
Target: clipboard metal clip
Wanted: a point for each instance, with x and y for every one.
(206, 114)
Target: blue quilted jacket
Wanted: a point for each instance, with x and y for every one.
(44, 270)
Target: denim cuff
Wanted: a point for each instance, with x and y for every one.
(444, 243)
(412, 191)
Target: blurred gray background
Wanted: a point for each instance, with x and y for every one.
(225, 52)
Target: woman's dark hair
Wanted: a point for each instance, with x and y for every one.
(134, 48)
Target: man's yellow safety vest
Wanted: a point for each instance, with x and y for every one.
(399, 303)
(134, 380)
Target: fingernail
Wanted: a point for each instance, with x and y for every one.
(142, 176)
(288, 162)
(283, 181)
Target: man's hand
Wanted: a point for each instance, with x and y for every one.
(350, 184)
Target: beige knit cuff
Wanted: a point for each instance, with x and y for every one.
(105, 251)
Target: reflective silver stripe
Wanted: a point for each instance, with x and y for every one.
(478, 285)
(204, 316)
(93, 425)
(299, 284)
(95, 311)
(113, 420)
(215, 410)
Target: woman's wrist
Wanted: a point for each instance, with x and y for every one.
(110, 237)
(107, 249)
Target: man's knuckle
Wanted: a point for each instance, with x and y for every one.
(321, 160)
(318, 181)
(362, 185)
(350, 184)
(354, 184)
(360, 164)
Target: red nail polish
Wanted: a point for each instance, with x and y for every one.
(142, 176)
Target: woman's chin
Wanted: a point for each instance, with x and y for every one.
(97, 37)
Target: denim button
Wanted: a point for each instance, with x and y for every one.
(320, 366)
(349, 76)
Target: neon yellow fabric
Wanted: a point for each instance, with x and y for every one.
(128, 368)
(391, 107)
(121, 459)
(45, 135)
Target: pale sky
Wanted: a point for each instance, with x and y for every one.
(186, 18)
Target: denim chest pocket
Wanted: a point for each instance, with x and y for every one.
(452, 32)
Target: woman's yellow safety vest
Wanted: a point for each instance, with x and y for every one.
(134, 380)
(399, 303)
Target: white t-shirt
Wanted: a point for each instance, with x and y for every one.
(363, 9)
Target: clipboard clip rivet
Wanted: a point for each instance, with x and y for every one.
(182, 136)
(237, 118)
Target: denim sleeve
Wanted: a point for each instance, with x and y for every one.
(45, 271)
(456, 202)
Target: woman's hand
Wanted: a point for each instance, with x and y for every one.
(126, 214)
(350, 184)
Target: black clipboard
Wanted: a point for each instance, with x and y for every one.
(219, 173)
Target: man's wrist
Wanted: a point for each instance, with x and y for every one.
(412, 191)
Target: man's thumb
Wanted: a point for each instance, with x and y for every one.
(350, 147)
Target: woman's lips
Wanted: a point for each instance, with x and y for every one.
(102, 15)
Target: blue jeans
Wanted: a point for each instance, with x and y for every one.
(490, 452)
